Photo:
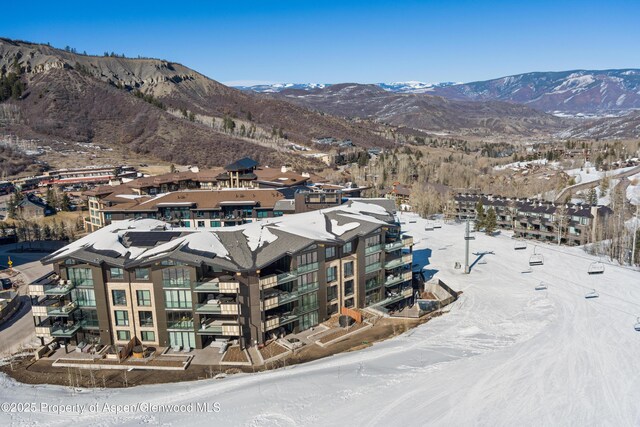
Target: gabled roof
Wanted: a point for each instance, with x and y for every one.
(247, 247)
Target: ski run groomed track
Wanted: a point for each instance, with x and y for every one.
(503, 354)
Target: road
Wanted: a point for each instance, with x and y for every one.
(18, 331)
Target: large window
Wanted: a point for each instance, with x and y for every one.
(373, 240)
(330, 252)
(148, 336)
(332, 293)
(348, 269)
(122, 318)
(372, 259)
(308, 258)
(144, 298)
(308, 281)
(80, 276)
(124, 335)
(178, 299)
(146, 318)
(119, 297)
(85, 297)
(332, 274)
(179, 320)
(142, 274)
(176, 277)
(347, 248)
(116, 273)
(348, 288)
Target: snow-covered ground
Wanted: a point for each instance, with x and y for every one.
(505, 354)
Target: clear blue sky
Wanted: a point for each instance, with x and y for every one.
(344, 41)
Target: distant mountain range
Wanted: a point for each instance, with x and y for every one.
(576, 92)
(397, 87)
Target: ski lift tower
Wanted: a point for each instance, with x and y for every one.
(467, 237)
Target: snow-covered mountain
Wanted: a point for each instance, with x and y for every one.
(413, 86)
(396, 87)
(277, 87)
(565, 92)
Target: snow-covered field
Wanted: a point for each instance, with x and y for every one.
(505, 354)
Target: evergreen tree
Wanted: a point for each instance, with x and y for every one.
(490, 222)
(46, 232)
(480, 216)
(65, 203)
(592, 197)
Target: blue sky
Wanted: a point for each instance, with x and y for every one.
(345, 41)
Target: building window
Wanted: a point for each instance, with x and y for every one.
(349, 303)
(277, 213)
(80, 276)
(176, 277)
(347, 248)
(372, 259)
(308, 258)
(332, 309)
(200, 214)
(330, 252)
(348, 269)
(124, 335)
(348, 288)
(200, 223)
(263, 214)
(144, 298)
(122, 318)
(119, 297)
(332, 293)
(116, 273)
(215, 223)
(142, 274)
(186, 224)
(146, 318)
(332, 274)
(149, 336)
(84, 297)
(178, 299)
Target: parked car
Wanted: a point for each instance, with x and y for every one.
(6, 283)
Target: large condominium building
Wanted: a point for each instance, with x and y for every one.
(534, 219)
(184, 288)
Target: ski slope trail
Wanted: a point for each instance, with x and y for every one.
(503, 354)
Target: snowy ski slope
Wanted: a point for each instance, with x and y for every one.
(505, 354)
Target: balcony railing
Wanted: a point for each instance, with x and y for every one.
(394, 280)
(397, 262)
(218, 286)
(370, 285)
(176, 283)
(389, 247)
(58, 330)
(180, 324)
(373, 249)
(52, 289)
(306, 268)
(218, 308)
(220, 327)
(54, 310)
(373, 267)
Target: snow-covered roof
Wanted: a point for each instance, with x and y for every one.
(134, 242)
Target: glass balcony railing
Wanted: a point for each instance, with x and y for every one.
(180, 324)
(373, 267)
(399, 278)
(176, 283)
(397, 262)
(393, 246)
(373, 249)
(307, 268)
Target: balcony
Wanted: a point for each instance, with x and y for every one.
(220, 327)
(53, 309)
(368, 286)
(176, 284)
(276, 321)
(57, 330)
(183, 324)
(396, 296)
(400, 261)
(390, 247)
(277, 298)
(306, 268)
(372, 249)
(395, 279)
(373, 267)
(407, 241)
(218, 307)
(61, 288)
(273, 280)
(222, 285)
